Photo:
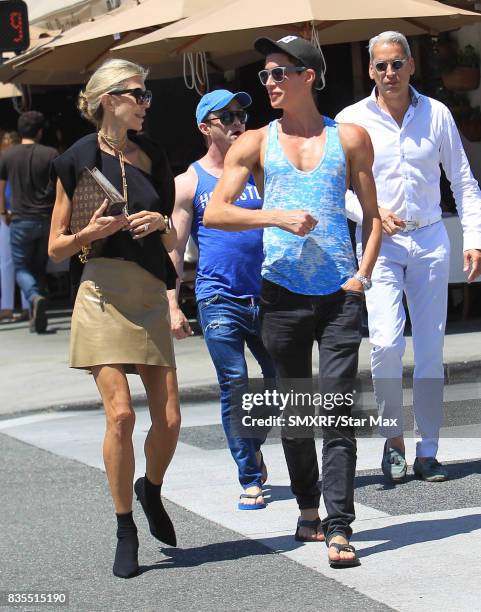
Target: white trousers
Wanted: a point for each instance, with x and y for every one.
(7, 272)
(415, 263)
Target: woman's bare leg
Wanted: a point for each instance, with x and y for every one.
(119, 462)
(118, 449)
(163, 398)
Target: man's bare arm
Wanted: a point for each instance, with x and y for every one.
(358, 147)
(182, 216)
(243, 159)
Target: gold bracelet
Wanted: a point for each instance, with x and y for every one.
(77, 239)
(168, 225)
(84, 250)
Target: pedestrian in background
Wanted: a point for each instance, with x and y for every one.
(26, 166)
(120, 322)
(7, 269)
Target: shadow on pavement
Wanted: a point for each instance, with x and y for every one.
(200, 555)
(457, 471)
(415, 532)
(394, 537)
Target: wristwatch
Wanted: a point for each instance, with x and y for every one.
(168, 225)
(364, 280)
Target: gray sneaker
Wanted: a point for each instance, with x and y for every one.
(430, 470)
(393, 465)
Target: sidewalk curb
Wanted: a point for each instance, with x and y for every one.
(454, 373)
(192, 395)
(462, 371)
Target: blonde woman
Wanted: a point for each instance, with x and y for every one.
(120, 320)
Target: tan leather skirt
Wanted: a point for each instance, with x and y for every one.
(121, 316)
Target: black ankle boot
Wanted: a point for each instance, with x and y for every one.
(159, 522)
(126, 564)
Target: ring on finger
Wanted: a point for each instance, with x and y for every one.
(146, 227)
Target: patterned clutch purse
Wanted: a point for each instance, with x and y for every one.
(91, 190)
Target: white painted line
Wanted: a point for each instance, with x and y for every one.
(409, 562)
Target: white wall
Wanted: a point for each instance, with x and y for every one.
(64, 14)
(470, 35)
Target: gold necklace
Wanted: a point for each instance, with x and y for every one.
(112, 144)
(85, 250)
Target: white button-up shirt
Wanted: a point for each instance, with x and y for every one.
(406, 163)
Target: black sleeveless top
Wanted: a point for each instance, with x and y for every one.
(155, 192)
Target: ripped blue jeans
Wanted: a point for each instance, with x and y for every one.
(228, 325)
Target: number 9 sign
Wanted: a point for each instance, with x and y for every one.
(14, 32)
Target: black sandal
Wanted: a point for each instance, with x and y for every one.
(344, 562)
(314, 524)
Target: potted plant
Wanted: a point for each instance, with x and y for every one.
(461, 71)
(470, 125)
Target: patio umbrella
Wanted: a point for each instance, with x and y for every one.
(233, 27)
(81, 49)
(39, 37)
(9, 91)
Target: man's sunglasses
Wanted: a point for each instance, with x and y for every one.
(278, 73)
(396, 64)
(142, 96)
(228, 117)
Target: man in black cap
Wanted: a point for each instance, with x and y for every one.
(310, 289)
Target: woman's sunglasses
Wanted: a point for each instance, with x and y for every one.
(278, 73)
(142, 96)
(228, 117)
(396, 64)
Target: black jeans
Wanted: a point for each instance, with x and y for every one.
(291, 323)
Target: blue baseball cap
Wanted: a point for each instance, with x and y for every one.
(220, 98)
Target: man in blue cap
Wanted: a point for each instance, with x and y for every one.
(228, 277)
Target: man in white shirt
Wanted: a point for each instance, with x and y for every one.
(411, 134)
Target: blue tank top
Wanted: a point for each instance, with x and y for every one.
(319, 263)
(229, 262)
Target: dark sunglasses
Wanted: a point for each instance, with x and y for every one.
(278, 73)
(142, 96)
(396, 64)
(228, 117)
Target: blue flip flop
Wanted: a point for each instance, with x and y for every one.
(242, 506)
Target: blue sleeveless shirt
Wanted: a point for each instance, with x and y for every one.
(319, 263)
(229, 262)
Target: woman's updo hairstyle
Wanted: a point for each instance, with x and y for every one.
(109, 76)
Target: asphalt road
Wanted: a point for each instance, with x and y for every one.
(58, 535)
(58, 526)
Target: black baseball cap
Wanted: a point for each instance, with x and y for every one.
(297, 47)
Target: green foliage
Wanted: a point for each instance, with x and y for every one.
(450, 56)
(468, 57)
